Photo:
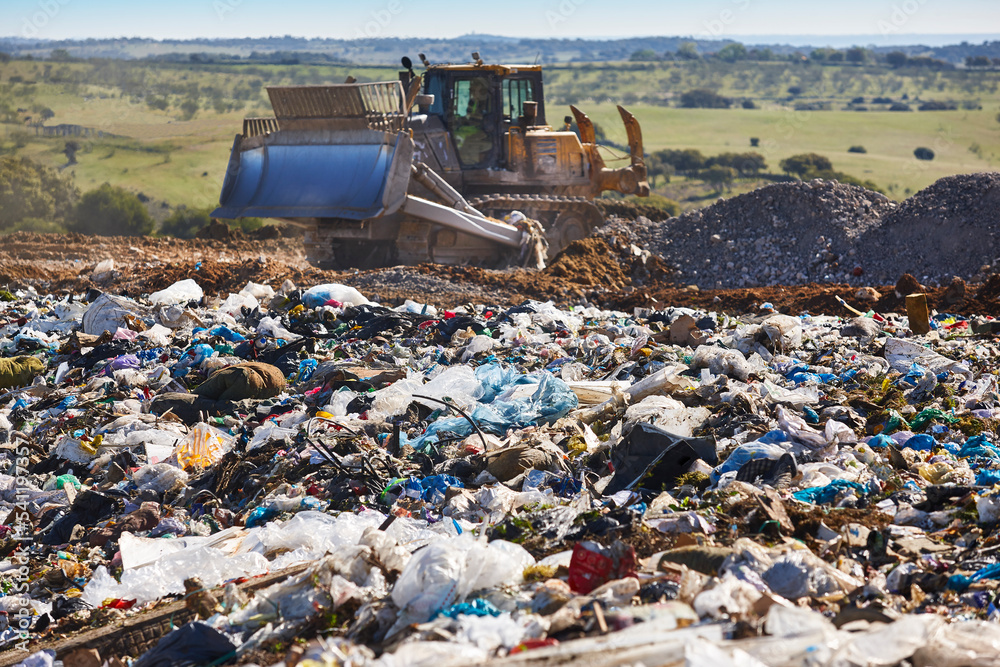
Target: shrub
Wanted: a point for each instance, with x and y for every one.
(748, 104)
(185, 223)
(719, 177)
(899, 106)
(805, 164)
(702, 98)
(686, 160)
(159, 103)
(30, 191)
(111, 211)
(189, 108)
(857, 149)
(923, 153)
(746, 164)
(933, 105)
(881, 100)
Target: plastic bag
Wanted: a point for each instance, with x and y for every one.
(317, 296)
(160, 477)
(109, 313)
(721, 361)
(180, 292)
(902, 354)
(784, 331)
(204, 447)
(447, 571)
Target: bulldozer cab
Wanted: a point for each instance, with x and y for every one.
(479, 104)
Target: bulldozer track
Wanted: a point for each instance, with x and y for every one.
(540, 202)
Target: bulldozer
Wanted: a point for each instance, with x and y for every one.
(454, 166)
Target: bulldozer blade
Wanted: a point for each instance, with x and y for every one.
(306, 177)
(585, 125)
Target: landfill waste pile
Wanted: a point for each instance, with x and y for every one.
(824, 231)
(294, 474)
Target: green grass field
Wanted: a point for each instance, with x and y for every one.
(183, 161)
(963, 141)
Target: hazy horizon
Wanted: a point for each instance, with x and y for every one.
(875, 22)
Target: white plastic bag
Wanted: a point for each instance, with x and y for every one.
(447, 571)
(180, 292)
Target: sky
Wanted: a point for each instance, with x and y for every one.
(886, 20)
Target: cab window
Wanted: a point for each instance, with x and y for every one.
(515, 93)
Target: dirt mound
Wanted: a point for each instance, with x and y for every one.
(949, 228)
(588, 262)
(783, 233)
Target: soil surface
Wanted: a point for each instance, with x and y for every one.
(607, 271)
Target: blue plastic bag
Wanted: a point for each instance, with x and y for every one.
(921, 443)
(819, 495)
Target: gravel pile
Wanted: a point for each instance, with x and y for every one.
(825, 231)
(780, 234)
(950, 228)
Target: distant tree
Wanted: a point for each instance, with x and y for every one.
(185, 223)
(656, 167)
(795, 90)
(643, 55)
(857, 55)
(688, 51)
(687, 160)
(719, 177)
(4, 57)
(46, 113)
(60, 55)
(189, 108)
(760, 55)
(900, 106)
(858, 100)
(755, 141)
(934, 105)
(748, 104)
(836, 57)
(857, 149)
(30, 191)
(977, 61)
(112, 211)
(881, 100)
(923, 153)
(896, 59)
(70, 151)
(821, 55)
(745, 164)
(702, 98)
(730, 53)
(805, 164)
(159, 103)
